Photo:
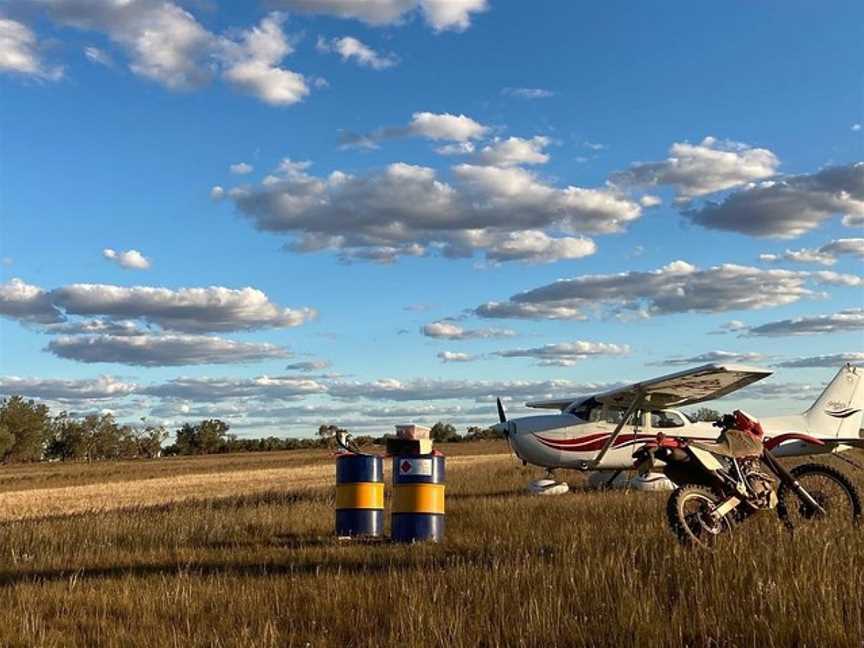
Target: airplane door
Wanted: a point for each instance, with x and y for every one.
(621, 455)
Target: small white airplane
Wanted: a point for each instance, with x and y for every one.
(601, 432)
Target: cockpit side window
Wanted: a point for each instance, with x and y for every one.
(614, 415)
(665, 419)
(587, 410)
(593, 412)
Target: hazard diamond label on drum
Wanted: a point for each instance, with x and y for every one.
(420, 467)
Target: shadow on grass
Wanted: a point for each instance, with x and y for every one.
(264, 498)
(467, 497)
(370, 565)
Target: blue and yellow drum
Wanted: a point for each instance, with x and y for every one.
(359, 495)
(418, 498)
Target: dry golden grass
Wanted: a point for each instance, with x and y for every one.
(595, 569)
(16, 477)
(155, 491)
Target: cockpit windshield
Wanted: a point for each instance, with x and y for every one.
(594, 412)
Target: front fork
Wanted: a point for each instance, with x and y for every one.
(789, 479)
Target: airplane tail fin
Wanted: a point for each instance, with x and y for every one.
(838, 412)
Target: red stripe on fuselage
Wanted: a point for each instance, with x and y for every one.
(577, 441)
(592, 442)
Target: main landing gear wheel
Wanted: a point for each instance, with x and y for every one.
(689, 510)
(831, 489)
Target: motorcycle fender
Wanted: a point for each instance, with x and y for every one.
(726, 507)
(706, 459)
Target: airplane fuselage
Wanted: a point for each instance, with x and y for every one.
(567, 441)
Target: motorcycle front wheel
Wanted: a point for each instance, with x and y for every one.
(689, 510)
(830, 488)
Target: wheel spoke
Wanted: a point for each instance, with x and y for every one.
(828, 489)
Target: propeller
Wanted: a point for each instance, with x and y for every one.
(503, 425)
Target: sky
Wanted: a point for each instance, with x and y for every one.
(369, 212)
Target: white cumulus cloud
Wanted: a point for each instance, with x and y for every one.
(458, 128)
(528, 93)
(161, 350)
(453, 356)
(129, 259)
(826, 254)
(841, 322)
(433, 126)
(350, 48)
(165, 43)
(450, 331)
(252, 64)
(20, 53)
(678, 287)
(566, 354)
(514, 151)
(829, 361)
(99, 56)
(790, 206)
(408, 210)
(99, 388)
(219, 389)
(27, 303)
(188, 310)
(698, 169)
(441, 15)
(714, 357)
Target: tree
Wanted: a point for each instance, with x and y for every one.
(207, 437)
(474, 433)
(329, 430)
(7, 440)
(68, 439)
(444, 433)
(95, 437)
(705, 414)
(149, 441)
(27, 426)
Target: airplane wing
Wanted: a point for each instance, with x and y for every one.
(703, 383)
(555, 403)
(688, 387)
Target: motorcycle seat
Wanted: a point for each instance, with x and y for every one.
(736, 444)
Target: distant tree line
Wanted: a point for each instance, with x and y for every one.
(211, 436)
(28, 432)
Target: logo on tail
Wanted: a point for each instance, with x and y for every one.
(842, 413)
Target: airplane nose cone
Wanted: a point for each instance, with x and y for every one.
(507, 428)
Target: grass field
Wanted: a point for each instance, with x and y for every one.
(238, 551)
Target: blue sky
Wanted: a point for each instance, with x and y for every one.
(684, 165)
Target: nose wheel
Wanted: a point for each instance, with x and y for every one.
(548, 485)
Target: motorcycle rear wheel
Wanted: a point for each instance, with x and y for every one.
(687, 511)
(833, 491)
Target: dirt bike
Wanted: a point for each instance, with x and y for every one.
(717, 489)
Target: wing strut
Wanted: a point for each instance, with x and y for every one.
(640, 398)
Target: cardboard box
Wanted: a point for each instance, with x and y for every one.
(397, 446)
(412, 432)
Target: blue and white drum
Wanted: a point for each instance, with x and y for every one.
(359, 495)
(418, 498)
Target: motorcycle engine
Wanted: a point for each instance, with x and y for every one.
(762, 485)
